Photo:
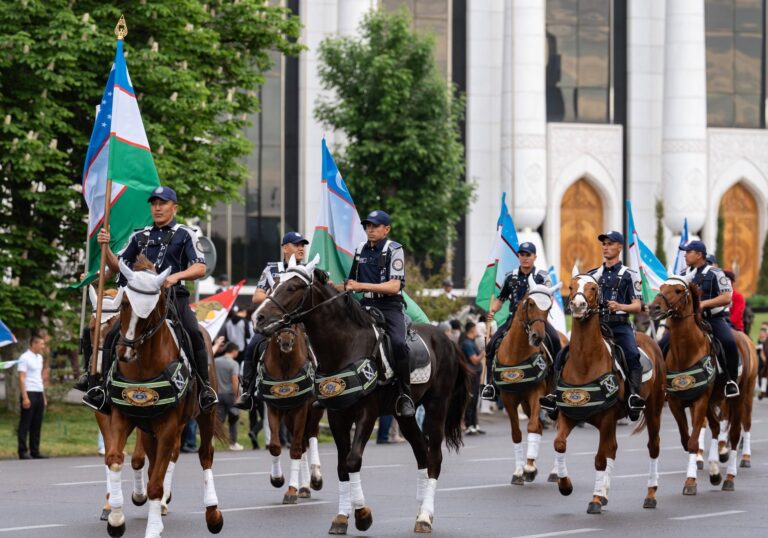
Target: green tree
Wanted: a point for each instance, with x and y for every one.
(197, 68)
(762, 278)
(400, 118)
(660, 254)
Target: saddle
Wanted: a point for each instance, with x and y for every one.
(719, 352)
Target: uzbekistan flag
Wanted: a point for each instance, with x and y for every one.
(680, 264)
(118, 150)
(6, 336)
(339, 231)
(641, 259)
(557, 312)
(212, 312)
(501, 261)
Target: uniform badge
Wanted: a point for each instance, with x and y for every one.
(140, 396)
(515, 375)
(682, 382)
(576, 397)
(723, 280)
(284, 390)
(397, 264)
(638, 286)
(333, 386)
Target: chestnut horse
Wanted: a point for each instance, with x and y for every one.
(699, 388)
(523, 373)
(588, 373)
(146, 349)
(286, 385)
(346, 343)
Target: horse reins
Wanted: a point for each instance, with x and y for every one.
(671, 307)
(134, 343)
(296, 315)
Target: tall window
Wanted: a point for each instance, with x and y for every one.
(579, 77)
(735, 63)
(432, 16)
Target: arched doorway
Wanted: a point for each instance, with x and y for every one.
(581, 221)
(740, 234)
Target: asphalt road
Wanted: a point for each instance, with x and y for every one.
(62, 497)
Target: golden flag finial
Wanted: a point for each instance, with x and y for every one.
(121, 30)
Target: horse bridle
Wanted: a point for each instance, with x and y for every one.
(135, 343)
(528, 323)
(288, 330)
(590, 310)
(672, 311)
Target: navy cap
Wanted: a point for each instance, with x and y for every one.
(377, 217)
(530, 248)
(294, 238)
(163, 193)
(695, 246)
(711, 259)
(613, 235)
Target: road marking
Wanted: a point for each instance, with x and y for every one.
(559, 533)
(711, 514)
(102, 481)
(87, 466)
(269, 507)
(31, 527)
(638, 475)
(464, 488)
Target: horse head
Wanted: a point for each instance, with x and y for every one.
(288, 298)
(110, 303)
(672, 299)
(285, 338)
(584, 296)
(535, 309)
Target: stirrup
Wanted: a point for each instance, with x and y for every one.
(96, 399)
(635, 402)
(404, 406)
(489, 393)
(731, 389)
(209, 394)
(244, 402)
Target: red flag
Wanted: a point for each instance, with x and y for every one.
(212, 311)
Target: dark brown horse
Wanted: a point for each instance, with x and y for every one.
(344, 341)
(694, 385)
(588, 376)
(146, 351)
(523, 372)
(286, 385)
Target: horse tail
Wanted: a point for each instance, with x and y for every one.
(641, 424)
(462, 388)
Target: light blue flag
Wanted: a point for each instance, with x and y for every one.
(644, 261)
(680, 264)
(6, 336)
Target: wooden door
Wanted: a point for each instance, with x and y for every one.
(740, 233)
(581, 221)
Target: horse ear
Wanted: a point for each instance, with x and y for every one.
(575, 270)
(311, 265)
(119, 296)
(292, 262)
(598, 274)
(92, 296)
(162, 276)
(531, 281)
(125, 270)
(689, 276)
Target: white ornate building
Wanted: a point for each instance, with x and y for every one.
(573, 106)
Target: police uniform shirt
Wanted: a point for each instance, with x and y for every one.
(370, 269)
(173, 245)
(516, 285)
(623, 289)
(712, 282)
(267, 278)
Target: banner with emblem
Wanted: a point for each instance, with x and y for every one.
(212, 312)
(644, 261)
(339, 232)
(118, 150)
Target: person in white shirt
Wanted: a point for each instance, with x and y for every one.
(33, 402)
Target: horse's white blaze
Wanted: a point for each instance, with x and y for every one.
(130, 334)
(747, 440)
(534, 440)
(562, 470)
(345, 505)
(277, 469)
(304, 471)
(732, 463)
(293, 479)
(421, 485)
(209, 489)
(692, 468)
(653, 473)
(713, 451)
(356, 491)
(519, 460)
(428, 504)
(154, 520)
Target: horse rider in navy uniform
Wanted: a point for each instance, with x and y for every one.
(167, 244)
(514, 289)
(378, 272)
(716, 293)
(619, 288)
(293, 244)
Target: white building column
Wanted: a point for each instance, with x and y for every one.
(684, 148)
(351, 13)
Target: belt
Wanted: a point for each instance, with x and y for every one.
(371, 295)
(616, 318)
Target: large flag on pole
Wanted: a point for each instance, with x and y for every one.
(212, 311)
(680, 264)
(557, 312)
(6, 336)
(501, 261)
(641, 259)
(339, 232)
(118, 150)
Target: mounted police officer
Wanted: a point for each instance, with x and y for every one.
(293, 245)
(716, 294)
(378, 272)
(619, 288)
(167, 244)
(514, 289)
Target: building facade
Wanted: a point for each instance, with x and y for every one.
(573, 106)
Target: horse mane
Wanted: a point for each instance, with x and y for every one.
(142, 263)
(354, 309)
(696, 303)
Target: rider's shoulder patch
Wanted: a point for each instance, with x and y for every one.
(723, 280)
(638, 286)
(397, 264)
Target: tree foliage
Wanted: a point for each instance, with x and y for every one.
(196, 68)
(400, 119)
(762, 277)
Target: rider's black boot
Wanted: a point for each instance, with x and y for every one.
(549, 404)
(85, 347)
(207, 396)
(245, 401)
(95, 395)
(635, 403)
(404, 406)
(82, 383)
(731, 389)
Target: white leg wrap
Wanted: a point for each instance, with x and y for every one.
(746, 438)
(713, 450)
(723, 431)
(421, 485)
(168, 482)
(562, 470)
(428, 505)
(116, 516)
(314, 454)
(154, 520)
(277, 470)
(293, 479)
(345, 505)
(653, 473)
(691, 472)
(733, 463)
(714, 468)
(139, 489)
(610, 463)
(209, 489)
(599, 484)
(519, 459)
(702, 433)
(116, 487)
(304, 472)
(534, 440)
(356, 491)
(764, 384)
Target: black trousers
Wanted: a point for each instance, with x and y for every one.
(30, 423)
(624, 336)
(250, 358)
(470, 416)
(189, 322)
(554, 345)
(395, 316)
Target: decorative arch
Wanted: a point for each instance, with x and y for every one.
(581, 221)
(738, 207)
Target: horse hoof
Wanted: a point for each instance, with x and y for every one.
(339, 525)
(115, 532)
(566, 489)
(552, 477)
(363, 518)
(163, 509)
(423, 527)
(649, 503)
(700, 465)
(689, 490)
(316, 483)
(715, 479)
(595, 508)
(517, 480)
(305, 493)
(277, 481)
(530, 476)
(139, 500)
(604, 501)
(290, 499)
(214, 520)
(723, 456)
(729, 485)
(745, 464)
(105, 514)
